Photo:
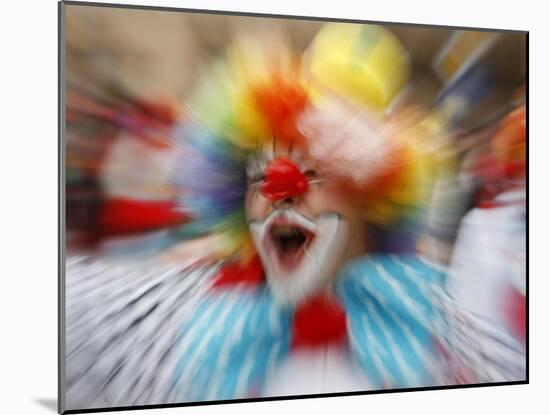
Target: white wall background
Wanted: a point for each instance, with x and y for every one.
(28, 212)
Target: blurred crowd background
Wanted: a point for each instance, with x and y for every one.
(128, 73)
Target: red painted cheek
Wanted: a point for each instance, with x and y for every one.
(283, 180)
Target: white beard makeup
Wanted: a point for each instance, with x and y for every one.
(298, 253)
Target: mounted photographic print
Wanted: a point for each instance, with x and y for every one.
(258, 207)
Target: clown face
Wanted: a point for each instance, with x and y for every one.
(304, 226)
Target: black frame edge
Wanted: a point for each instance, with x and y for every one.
(61, 404)
(282, 16)
(293, 397)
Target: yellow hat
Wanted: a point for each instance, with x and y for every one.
(363, 63)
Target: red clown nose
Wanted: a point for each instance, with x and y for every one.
(283, 180)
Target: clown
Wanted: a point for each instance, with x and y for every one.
(305, 302)
(287, 167)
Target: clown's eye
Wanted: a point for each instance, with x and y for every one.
(255, 172)
(255, 178)
(310, 174)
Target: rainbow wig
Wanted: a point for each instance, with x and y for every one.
(332, 102)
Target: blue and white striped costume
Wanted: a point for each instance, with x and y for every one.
(176, 340)
(396, 327)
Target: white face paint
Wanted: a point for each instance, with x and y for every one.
(299, 253)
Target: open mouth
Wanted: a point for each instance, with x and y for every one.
(288, 243)
(297, 251)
